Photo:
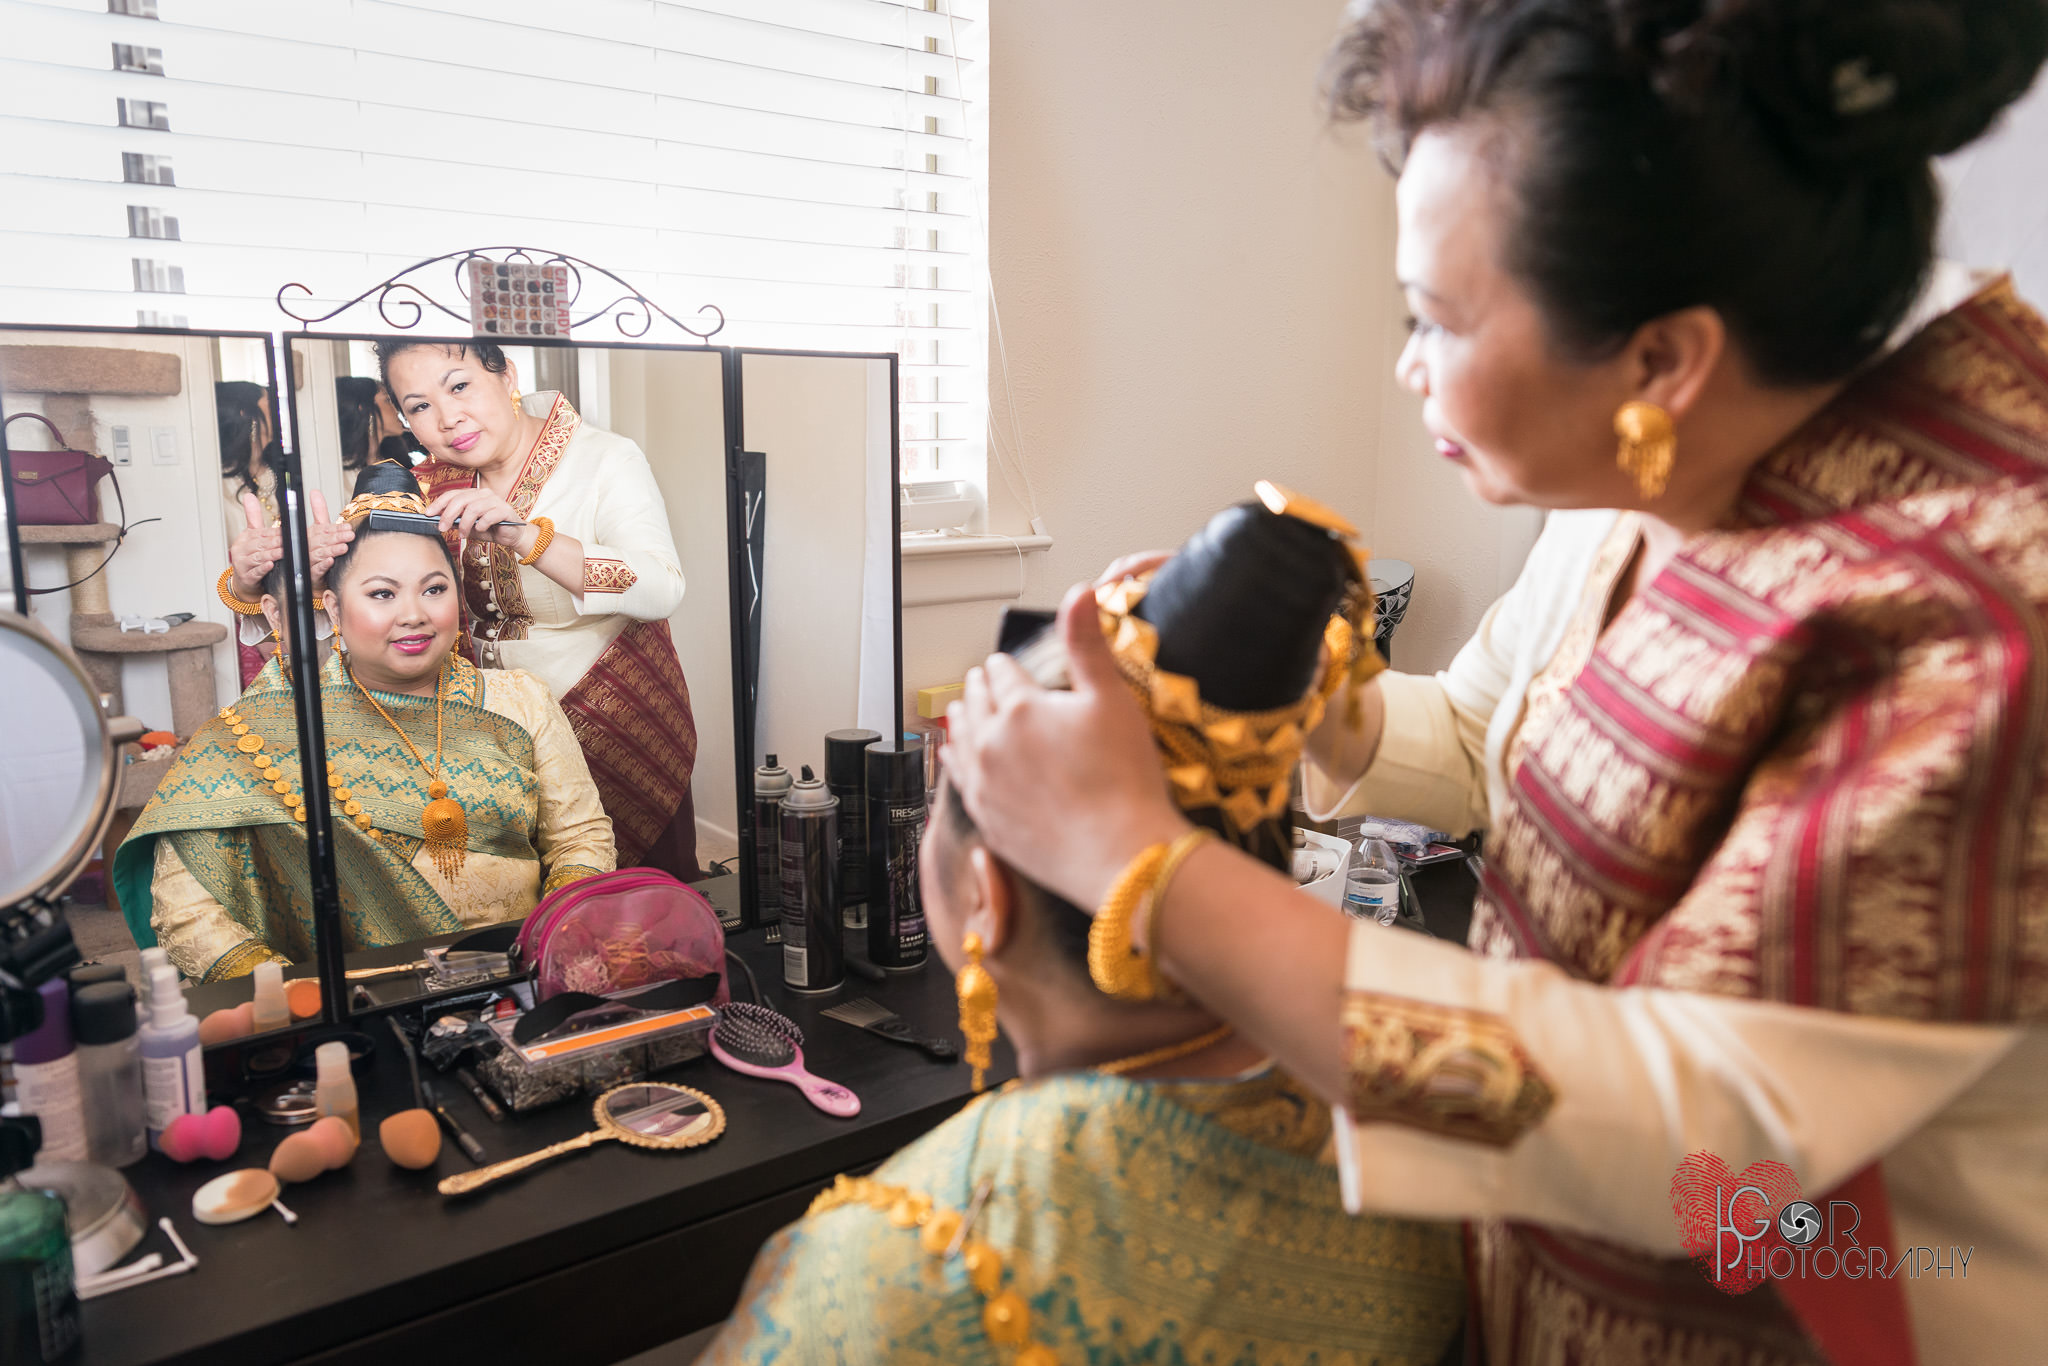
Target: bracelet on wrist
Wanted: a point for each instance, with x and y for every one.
(226, 589)
(1118, 966)
(543, 537)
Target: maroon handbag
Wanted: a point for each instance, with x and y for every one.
(56, 488)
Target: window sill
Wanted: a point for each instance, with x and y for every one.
(938, 570)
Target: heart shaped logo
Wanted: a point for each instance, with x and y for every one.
(1728, 1222)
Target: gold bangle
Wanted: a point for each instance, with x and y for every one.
(1119, 968)
(230, 601)
(544, 529)
(1146, 919)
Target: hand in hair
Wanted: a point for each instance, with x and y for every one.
(478, 512)
(1065, 787)
(257, 548)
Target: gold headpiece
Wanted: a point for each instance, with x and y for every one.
(1239, 762)
(363, 504)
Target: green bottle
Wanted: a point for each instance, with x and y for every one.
(38, 1304)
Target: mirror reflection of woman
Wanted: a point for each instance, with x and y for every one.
(370, 426)
(569, 570)
(1756, 738)
(458, 796)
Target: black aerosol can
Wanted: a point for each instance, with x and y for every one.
(813, 947)
(771, 781)
(846, 779)
(896, 935)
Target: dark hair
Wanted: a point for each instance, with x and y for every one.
(489, 355)
(355, 400)
(1066, 923)
(1771, 159)
(238, 410)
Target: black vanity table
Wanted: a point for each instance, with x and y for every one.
(592, 1258)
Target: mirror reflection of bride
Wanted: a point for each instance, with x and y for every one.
(568, 570)
(459, 796)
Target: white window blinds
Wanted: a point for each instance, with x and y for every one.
(813, 167)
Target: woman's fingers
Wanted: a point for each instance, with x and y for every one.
(318, 503)
(1130, 566)
(1089, 662)
(252, 508)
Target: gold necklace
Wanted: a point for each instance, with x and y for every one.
(1004, 1315)
(444, 823)
(1139, 1062)
(251, 744)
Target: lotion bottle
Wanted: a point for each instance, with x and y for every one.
(335, 1091)
(173, 1074)
(46, 1077)
(110, 1073)
(271, 1010)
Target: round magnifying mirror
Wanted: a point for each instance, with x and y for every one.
(645, 1114)
(56, 764)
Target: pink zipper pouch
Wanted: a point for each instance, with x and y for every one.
(621, 932)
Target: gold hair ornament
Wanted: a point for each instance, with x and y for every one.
(1649, 445)
(363, 504)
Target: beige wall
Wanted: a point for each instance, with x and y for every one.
(1195, 284)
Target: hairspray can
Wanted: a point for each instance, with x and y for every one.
(813, 947)
(771, 780)
(896, 937)
(847, 779)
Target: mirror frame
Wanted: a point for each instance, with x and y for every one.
(298, 615)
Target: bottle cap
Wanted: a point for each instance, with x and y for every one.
(896, 771)
(269, 978)
(771, 779)
(103, 1013)
(331, 1059)
(20, 1137)
(166, 1001)
(152, 959)
(845, 771)
(86, 974)
(51, 1039)
(809, 794)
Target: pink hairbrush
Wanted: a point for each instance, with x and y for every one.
(759, 1042)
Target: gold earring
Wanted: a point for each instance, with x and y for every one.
(1649, 444)
(977, 991)
(515, 403)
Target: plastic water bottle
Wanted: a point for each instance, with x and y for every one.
(1372, 884)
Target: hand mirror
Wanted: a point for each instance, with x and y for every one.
(645, 1114)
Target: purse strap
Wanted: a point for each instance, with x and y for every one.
(62, 444)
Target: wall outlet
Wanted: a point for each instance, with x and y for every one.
(163, 445)
(124, 453)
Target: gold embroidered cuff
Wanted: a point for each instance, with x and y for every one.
(241, 960)
(1460, 1073)
(566, 874)
(608, 576)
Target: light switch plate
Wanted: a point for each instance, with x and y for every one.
(163, 445)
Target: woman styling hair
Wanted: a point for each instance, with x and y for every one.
(417, 740)
(1755, 739)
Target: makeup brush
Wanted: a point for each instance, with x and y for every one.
(411, 1138)
(760, 1042)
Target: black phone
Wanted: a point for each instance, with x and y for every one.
(1020, 626)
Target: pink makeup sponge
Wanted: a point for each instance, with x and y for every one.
(215, 1134)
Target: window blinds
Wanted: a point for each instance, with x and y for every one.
(813, 167)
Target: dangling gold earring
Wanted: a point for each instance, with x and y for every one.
(284, 663)
(1649, 444)
(977, 991)
(516, 411)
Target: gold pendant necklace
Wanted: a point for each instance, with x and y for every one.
(1183, 1049)
(444, 823)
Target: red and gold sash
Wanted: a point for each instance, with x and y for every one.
(1805, 764)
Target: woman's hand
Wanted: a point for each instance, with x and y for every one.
(479, 511)
(257, 548)
(1131, 566)
(1066, 787)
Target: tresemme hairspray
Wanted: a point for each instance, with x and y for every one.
(813, 946)
(846, 779)
(771, 780)
(896, 935)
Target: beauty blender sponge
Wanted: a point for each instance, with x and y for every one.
(411, 1138)
(299, 1158)
(222, 1133)
(232, 1023)
(337, 1141)
(302, 996)
(184, 1138)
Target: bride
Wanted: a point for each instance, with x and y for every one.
(458, 797)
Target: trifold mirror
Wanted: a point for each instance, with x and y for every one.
(719, 581)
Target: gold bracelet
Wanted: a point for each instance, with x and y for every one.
(233, 603)
(544, 529)
(1146, 920)
(1119, 968)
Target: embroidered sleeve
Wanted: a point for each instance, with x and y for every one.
(607, 576)
(1456, 1072)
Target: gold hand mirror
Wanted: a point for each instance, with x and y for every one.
(645, 1114)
